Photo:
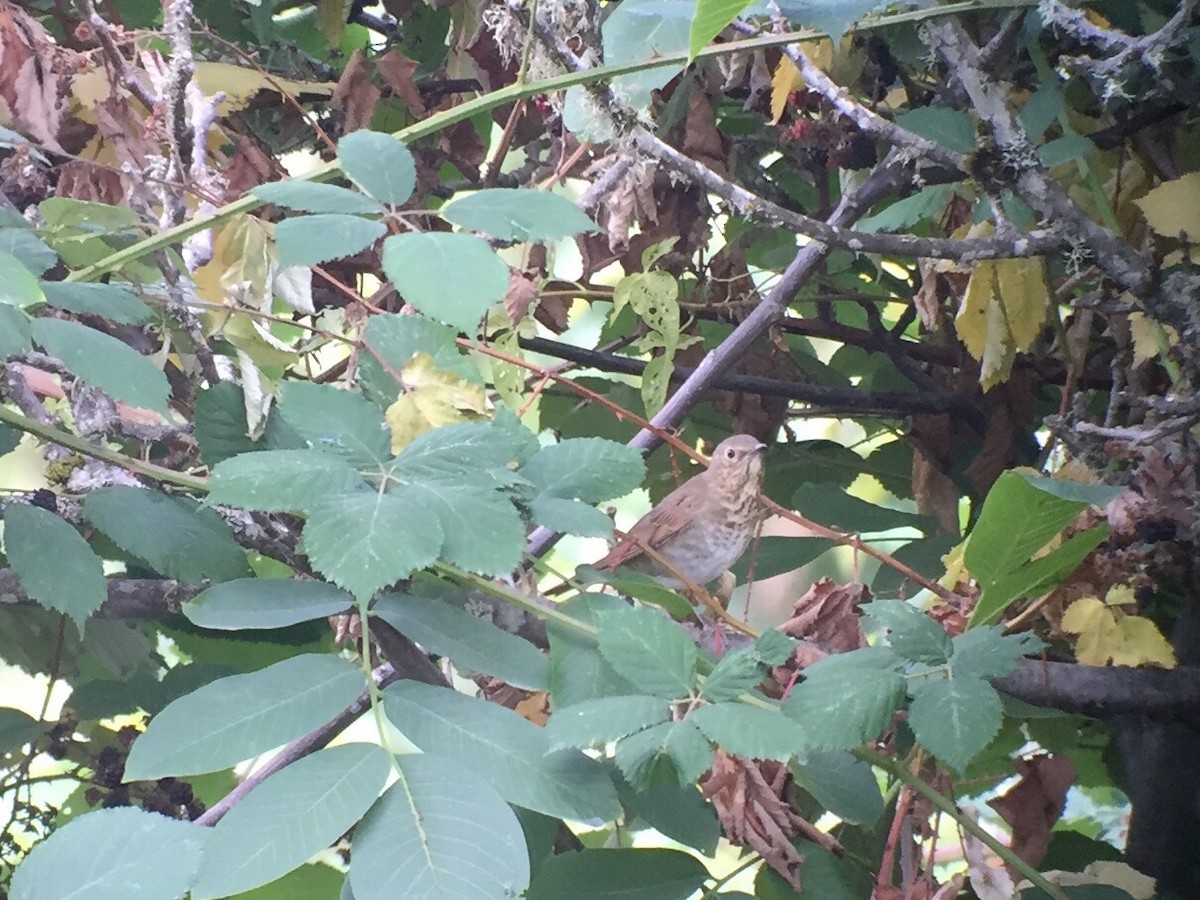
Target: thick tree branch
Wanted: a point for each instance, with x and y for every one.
(128, 598)
(1101, 692)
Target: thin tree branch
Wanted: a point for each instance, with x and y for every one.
(756, 208)
(897, 403)
(1016, 164)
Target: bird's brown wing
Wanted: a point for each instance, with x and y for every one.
(672, 513)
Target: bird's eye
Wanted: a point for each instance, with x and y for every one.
(730, 453)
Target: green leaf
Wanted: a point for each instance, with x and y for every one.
(112, 854)
(678, 747)
(824, 877)
(678, 811)
(454, 278)
(987, 652)
(748, 731)
(18, 286)
(1069, 149)
(642, 874)
(468, 640)
(117, 303)
(9, 437)
(509, 752)
(29, 249)
(821, 461)
(845, 786)
(1039, 111)
(955, 718)
(314, 881)
(570, 517)
(221, 426)
(18, 728)
(831, 17)
(235, 718)
(292, 815)
(379, 165)
(368, 540)
(1019, 517)
(639, 30)
(773, 648)
(589, 469)
(105, 362)
(639, 586)
(393, 341)
(903, 214)
(281, 480)
(577, 670)
(923, 556)
(440, 831)
(54, 564)
(256, 603)
(333, 419)
(910, 632)
(311, 197)
(844, 706)
(482, 530)
(711, 18)
(16, 334)
(518, 214)
(736, 673)
(648, 650)
(312, 240)
(1091, 494)
(595, 722)
(472, 453)
(951, 128)
(837, 509)
(171, 534)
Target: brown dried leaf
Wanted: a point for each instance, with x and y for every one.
(1035, 803)
(398, 70)
(701, 139)
(355, 98)
(522, 291)
(828, 616)
(30, 86)
(749, 799)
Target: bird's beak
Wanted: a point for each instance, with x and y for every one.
(760, 448)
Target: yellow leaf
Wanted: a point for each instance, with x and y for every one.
(1084, 614)
(1141, 643)
(1146, 334)
(1174, 207)
(1003, 311)
(431, 398)
(1120, 595)
(240, 84)
(955, 563)
(787, 78)
(1024, 297)
(331, 19)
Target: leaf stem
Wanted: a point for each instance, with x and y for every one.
(965, 822)
(78, 444)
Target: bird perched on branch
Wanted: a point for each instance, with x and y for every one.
(701, 528)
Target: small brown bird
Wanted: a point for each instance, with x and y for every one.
(702, 527)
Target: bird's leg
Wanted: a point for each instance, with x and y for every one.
(698, 593)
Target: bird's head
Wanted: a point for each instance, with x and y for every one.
(739, 460)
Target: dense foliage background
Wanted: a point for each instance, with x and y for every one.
(320, 322)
